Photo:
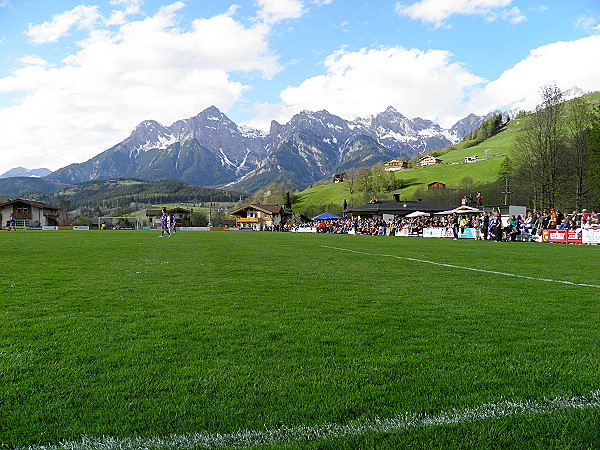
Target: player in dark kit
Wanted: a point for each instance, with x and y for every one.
(164, 223)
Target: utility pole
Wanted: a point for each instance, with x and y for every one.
(506, 190)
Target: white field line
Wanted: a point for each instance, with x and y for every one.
(246, 438)
(465, 268)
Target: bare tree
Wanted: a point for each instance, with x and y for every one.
(539, 149)
(579, 124)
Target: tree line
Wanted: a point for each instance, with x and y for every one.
(110, 194)
(487, 129)
(557, 155)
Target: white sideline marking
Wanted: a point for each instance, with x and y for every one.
(246, 438)
(465, 268)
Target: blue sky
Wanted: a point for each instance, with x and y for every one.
(76, 77)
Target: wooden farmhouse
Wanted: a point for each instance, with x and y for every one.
(260, 217)
(429, 160)
(436, 185)
(29, 213)
(395, 164)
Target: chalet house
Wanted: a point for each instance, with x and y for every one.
(436, 185)
(395, 164)
(429, 161)
(260, 217)
(155, 215)
(29, 213)
(339, 177)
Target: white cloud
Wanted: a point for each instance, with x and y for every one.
(417, 83)
(272, 11)
(513, 15)
(147, 69)
(31, 60)
(438, 11)
(267, 112)
(119, 16)
(566, 64)
(589, 24)
(429, 85)
(80, 17)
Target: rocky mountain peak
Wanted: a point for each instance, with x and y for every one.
(211, 150)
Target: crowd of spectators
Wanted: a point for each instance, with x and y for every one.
(485, 226)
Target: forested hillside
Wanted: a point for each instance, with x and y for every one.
(108, 194)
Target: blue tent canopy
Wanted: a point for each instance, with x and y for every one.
(326, 216)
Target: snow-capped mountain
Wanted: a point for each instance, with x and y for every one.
(211, 150)
(23, 172)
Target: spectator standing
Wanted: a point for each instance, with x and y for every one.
(497, 227)
(484, 225)
(553, 222)
(455, 225)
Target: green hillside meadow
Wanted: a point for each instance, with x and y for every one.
(482, 172)
(120, 339)
(493, 151)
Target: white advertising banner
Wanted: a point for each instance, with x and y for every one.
(81, 228)
(438, 232)
(306, 230)
(402, 232)
(50, 228)
(590, 236)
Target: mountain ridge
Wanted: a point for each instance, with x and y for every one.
(210, 150)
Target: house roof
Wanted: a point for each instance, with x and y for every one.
(179, 210)
(399, 208)
(268, 209)
(158, 212)
(29, 202)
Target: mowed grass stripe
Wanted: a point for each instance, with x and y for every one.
(126, 335)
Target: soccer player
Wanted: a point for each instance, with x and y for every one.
(164, 223)
(172, 223)
(11, 223)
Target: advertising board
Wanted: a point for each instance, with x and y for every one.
(590, 236)
(438, 232)
(564, 236)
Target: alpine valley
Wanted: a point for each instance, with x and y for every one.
(211, 150)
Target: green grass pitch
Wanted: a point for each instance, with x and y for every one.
(121, 335)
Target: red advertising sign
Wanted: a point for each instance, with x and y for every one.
(565, 236)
